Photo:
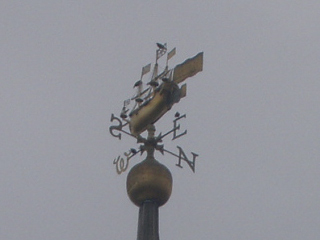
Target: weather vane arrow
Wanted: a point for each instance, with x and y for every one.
(151, 102)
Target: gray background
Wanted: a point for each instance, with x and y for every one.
(252, 115)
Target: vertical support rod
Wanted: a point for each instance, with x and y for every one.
(148, 224)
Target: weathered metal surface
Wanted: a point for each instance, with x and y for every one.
(148, 223)
(149, 180)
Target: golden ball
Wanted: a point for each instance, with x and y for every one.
(149, 180)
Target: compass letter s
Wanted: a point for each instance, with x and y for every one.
(116, 127)
(177, 127)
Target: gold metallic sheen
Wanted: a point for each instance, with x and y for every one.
(153, 110)
(149, 180)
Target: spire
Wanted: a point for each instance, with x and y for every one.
(148, 223)
(149, 183)
(149, 186)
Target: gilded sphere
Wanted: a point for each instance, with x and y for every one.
(149, 180)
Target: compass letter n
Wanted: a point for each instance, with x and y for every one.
(182, 156)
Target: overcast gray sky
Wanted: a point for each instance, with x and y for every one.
(252, 116)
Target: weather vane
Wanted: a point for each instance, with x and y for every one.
(155, 95)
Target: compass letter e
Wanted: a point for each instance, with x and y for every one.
(177, 127)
